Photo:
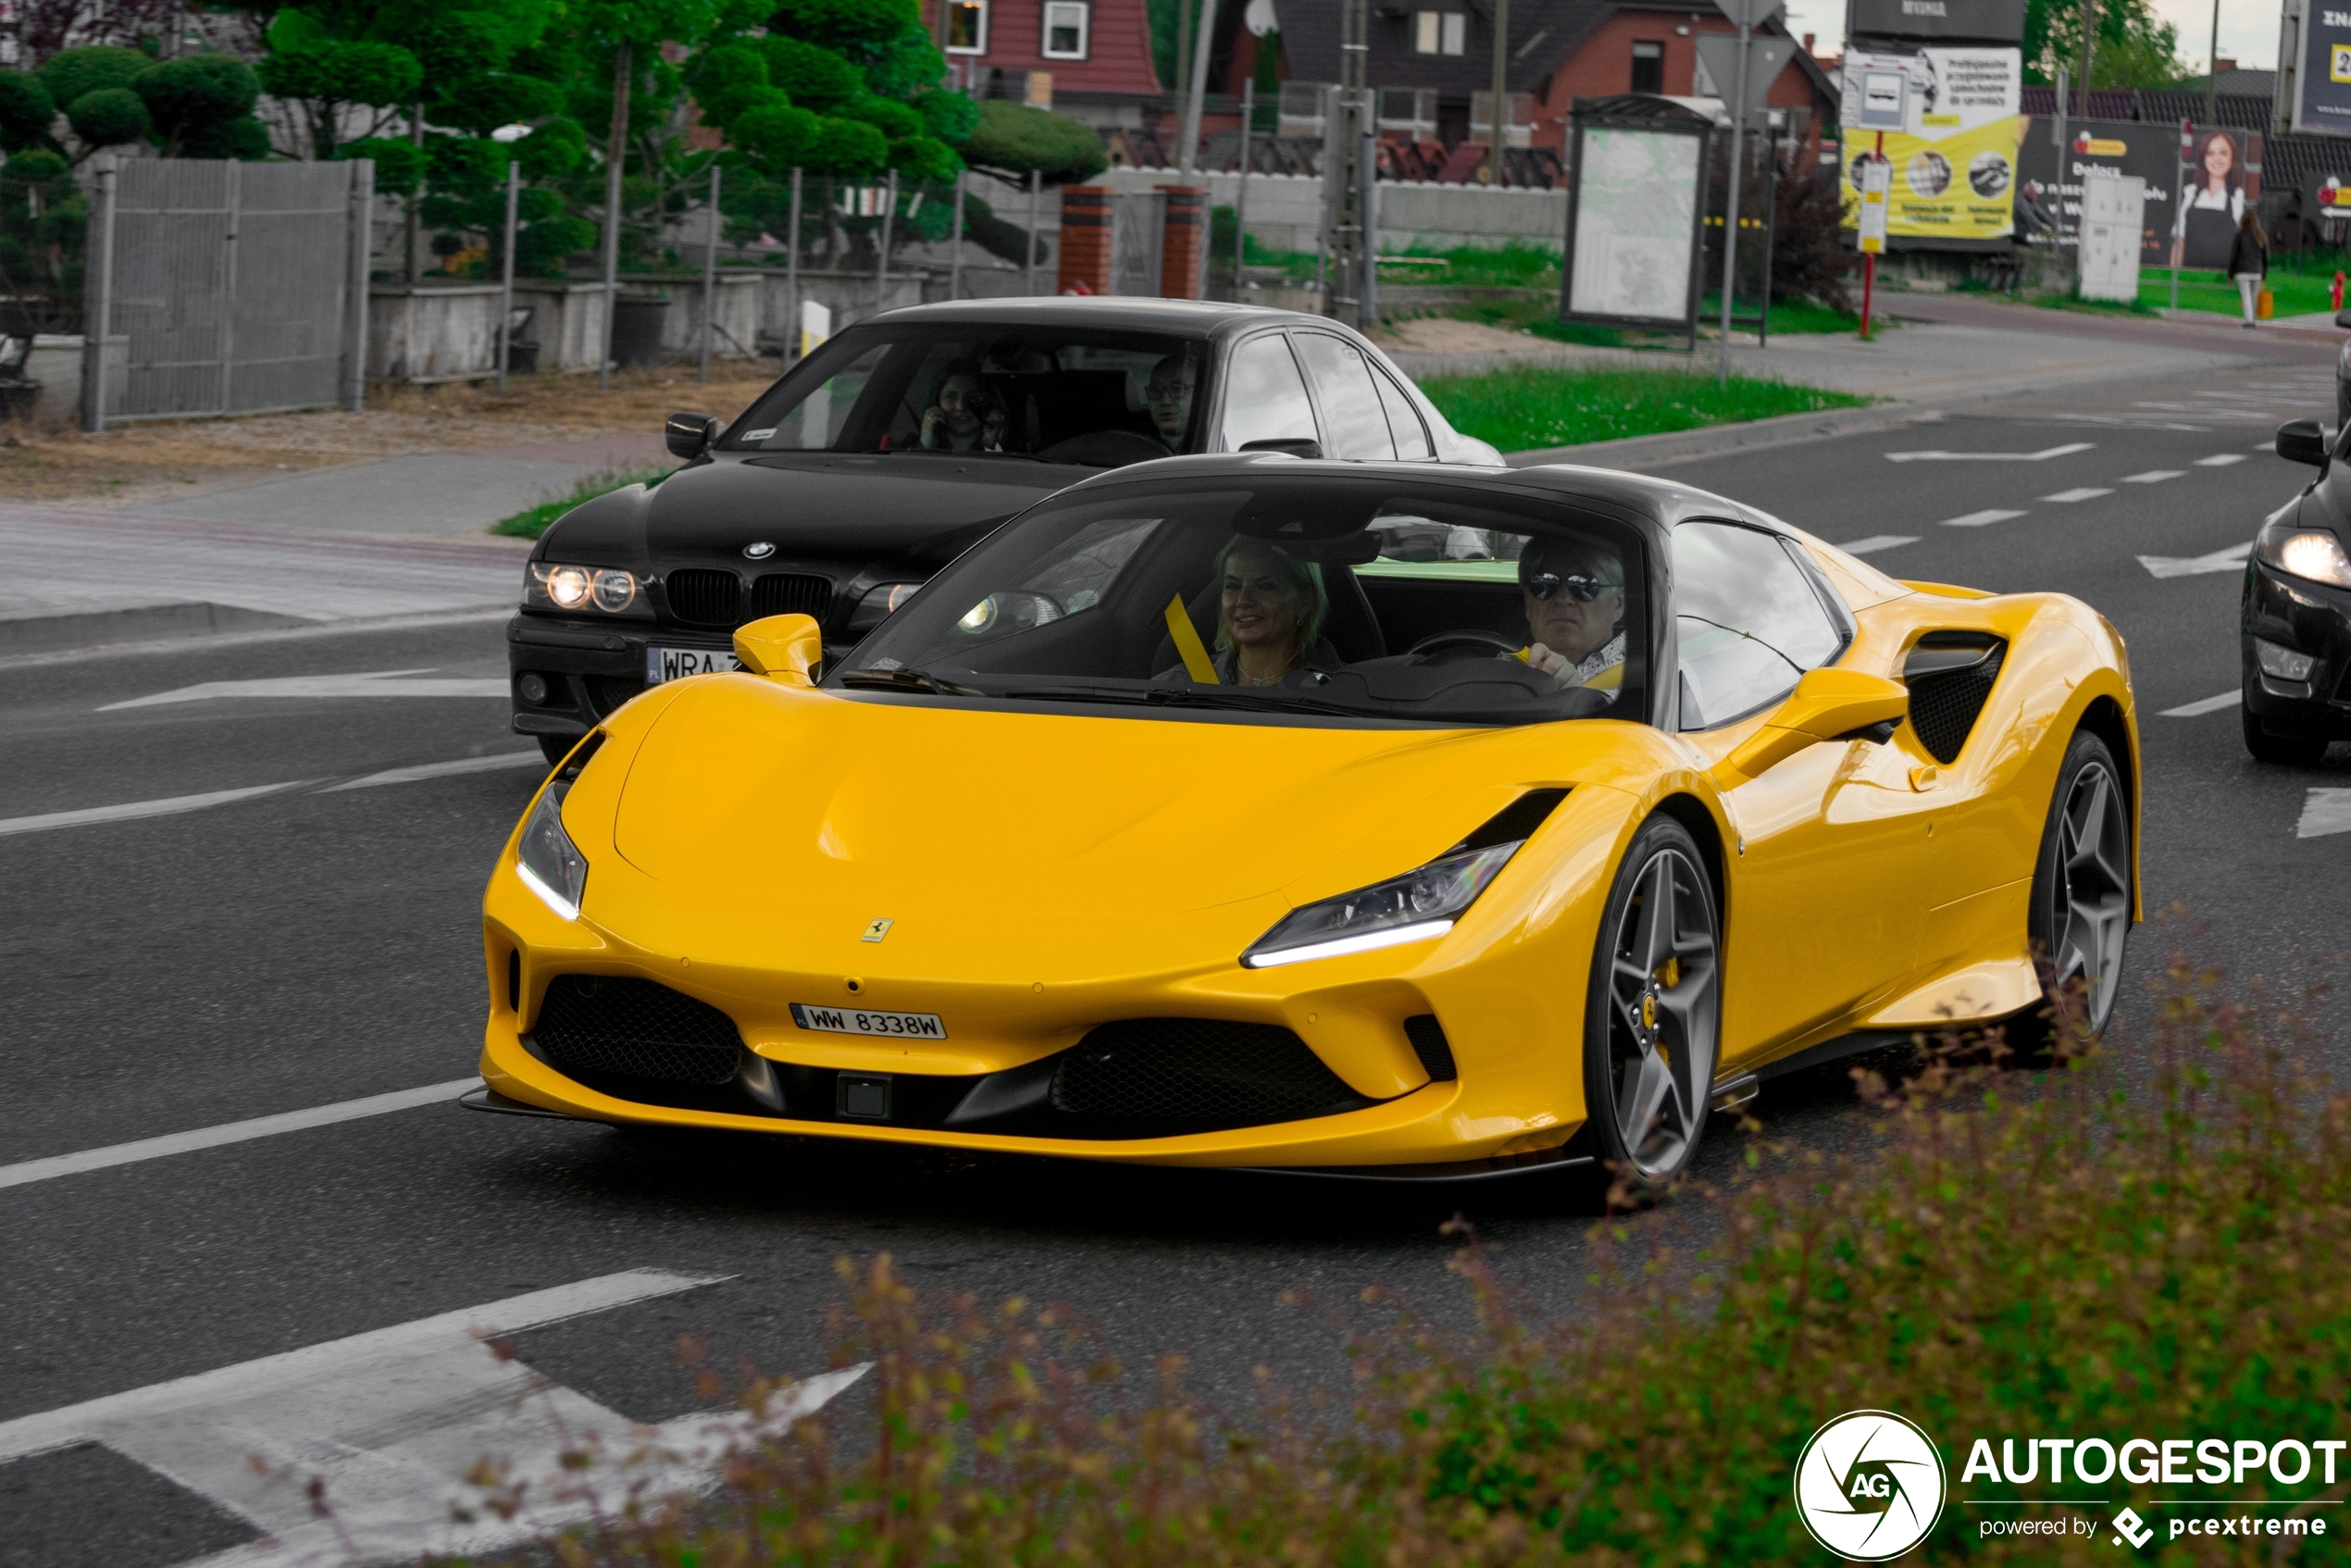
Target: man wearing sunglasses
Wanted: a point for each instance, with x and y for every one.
(1575, 610)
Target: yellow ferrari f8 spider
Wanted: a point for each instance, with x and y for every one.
(1254, 810)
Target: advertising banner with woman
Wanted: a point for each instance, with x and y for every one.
(1954, 161)
(2223, 178)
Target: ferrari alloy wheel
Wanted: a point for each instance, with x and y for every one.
(1652, 1031)
(2080, 917)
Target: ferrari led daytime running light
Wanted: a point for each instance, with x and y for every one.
(1420, 904)
(2311, 553)
(546, 861)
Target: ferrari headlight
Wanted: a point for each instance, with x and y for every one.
(575, 588)
(547, 861)
(2308, 553)
(1418, 904)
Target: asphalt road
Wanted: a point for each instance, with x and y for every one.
(316, 943)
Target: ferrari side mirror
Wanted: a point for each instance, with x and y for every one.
(1825, 706)
(687, 436)
(2303, 440)
(782, 648)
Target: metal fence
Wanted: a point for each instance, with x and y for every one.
(240, 287)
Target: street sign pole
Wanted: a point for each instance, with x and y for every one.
(1731, 205)
(2179, 202)
(1876, 180)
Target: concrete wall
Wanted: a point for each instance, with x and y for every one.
(1285, 210)
(448, 332)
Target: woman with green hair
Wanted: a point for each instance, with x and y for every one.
(1270, 609)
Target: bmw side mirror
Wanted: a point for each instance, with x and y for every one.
(689, 435)
(2303, 440)
(1288, 446)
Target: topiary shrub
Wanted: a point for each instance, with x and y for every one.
(70, 73)
(1014, 139)
(25, 111)
(109, 117)
(200, 97)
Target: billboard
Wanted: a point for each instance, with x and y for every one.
(2323, 85)
(1953, 162)
(1978, 21)
(2225, 179)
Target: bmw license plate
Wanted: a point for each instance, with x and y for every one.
(672, 663)
(857, 1021)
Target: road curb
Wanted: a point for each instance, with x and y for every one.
(136, 623)
(1635, 452)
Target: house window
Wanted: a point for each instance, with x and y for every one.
(968, 27)
(1648, 66)
(1439, 32)
(1066, 29)
(1456, 31)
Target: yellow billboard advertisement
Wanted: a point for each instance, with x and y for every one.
(1952, 162)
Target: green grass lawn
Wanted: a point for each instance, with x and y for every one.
(532, 521)
(2297, 293)
(1524, 410)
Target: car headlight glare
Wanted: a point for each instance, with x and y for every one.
(2283, 663)
(546, 860)
(575, 588)
(2310, 552)
(1419, 905)
(877, 603)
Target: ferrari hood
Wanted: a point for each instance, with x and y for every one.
(743, 785)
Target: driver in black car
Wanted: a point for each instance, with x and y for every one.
(1575, 594)
(1169, 396)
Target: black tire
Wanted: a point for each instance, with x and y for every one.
(2288, 751)
(554, 748)
(1652, 1024)
(2079, 920)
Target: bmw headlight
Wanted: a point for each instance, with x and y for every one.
(877, 604)
(2307, 552)
(552, 585)
(1410, 908)
(547, 861)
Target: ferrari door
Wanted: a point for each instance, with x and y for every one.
(1823, 911)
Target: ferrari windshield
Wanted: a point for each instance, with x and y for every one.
(1098, 399)
(1310, 594)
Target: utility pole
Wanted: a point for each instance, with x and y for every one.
(1240, 187)
(1500, 128)
(1346, 123)
(616, 149)
(1196, 98)
(2213, 72)
(506, 274)
(2089, 38)
(710, 277)
(1731, 203)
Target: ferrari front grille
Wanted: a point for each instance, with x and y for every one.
(701, 597)
(790, 594)
(1198, 1073)
(635, 1029)
(1431, 1046)
(1944, 703)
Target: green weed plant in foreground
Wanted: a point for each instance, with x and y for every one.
(532, 521)
(2146, 1240)
(1526, 410)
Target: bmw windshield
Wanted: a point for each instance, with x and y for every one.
(1365, 598)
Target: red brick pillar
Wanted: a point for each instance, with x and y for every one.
(1085, 236)
(1185, 246)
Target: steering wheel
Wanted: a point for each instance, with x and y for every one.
(1466, 639)
(1104, 449)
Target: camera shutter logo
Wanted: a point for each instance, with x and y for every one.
(1868, 1486)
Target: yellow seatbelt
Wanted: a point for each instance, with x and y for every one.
(1197, 664)
(1609, 679)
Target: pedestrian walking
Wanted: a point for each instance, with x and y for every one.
(2249, 260)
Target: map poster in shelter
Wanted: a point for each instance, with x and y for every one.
(1954, 161)
(1633, 232)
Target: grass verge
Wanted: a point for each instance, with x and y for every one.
(1524, 410)
(532, 521)
(2294, 294)
(2141, 1246)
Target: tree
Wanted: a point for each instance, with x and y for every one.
(1012, 139)
(2133, 46)
(199, 106)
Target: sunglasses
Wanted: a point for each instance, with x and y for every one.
(1546, 586)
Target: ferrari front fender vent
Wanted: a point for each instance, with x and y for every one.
(1431, 1046)
(593, 1026)
(1514, 823)
(1950, 675)
(1197, 1075)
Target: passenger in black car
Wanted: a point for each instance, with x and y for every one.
(963, 415)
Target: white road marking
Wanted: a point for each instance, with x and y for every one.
(2227, 560)
(131, 810)
(1980, 519)
(2065, 451)
(2152, 476)
(443, 770)
(2324, 812)
(2086, 493)
(1878, 542)
(2220, 460)
(2203, 705)
(378, 683)
(392, 1421)
(55, 1165)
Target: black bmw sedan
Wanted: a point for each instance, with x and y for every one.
(896, 446)
(2297, 613)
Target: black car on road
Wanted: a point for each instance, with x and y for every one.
(2296, 626)
(898, 444)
